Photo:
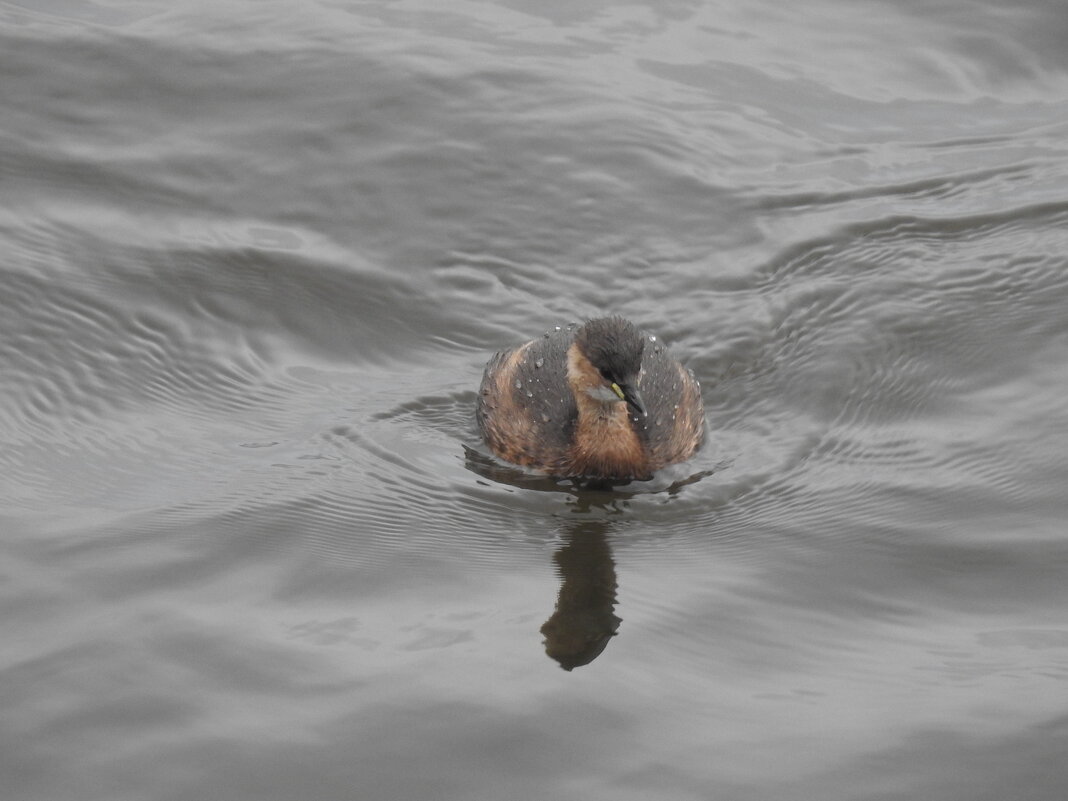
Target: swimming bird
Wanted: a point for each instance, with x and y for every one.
(599, 400)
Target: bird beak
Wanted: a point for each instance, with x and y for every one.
(630, 395)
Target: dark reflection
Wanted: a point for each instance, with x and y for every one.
(584, 619)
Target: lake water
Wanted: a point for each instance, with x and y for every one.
(254, 256)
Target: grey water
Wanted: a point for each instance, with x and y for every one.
(253, 257)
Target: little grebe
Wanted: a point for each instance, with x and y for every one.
(600, 400)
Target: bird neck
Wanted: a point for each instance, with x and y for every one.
(605, 443)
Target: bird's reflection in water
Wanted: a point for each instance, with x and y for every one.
(584, 619)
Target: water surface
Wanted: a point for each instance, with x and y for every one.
(254, 257)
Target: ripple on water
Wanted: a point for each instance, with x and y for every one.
(142, 380)
(874, 363)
